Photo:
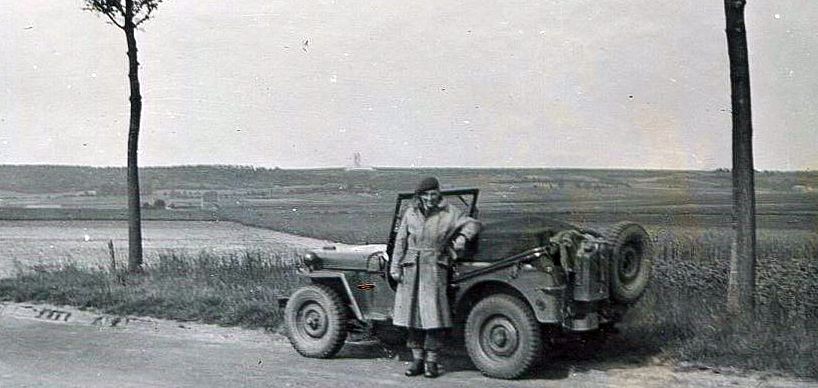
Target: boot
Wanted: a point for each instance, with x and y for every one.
(431, 370)
(415, 368)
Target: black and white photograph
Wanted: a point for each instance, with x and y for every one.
(431, 193)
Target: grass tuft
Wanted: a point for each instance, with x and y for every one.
(237, 289)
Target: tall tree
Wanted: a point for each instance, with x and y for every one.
(127, 16)
(741, 287)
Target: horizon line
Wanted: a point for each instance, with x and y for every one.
(376, 168)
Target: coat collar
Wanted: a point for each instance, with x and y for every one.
(443, 206)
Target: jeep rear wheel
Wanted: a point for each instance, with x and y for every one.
(316, 321)
(503, 337)
(631, 261)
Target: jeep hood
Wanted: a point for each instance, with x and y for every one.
(350, 257)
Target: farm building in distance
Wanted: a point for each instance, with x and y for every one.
(210, 200)
(357, 165)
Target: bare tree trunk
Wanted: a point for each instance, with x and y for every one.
(741, 287)
(134, 211)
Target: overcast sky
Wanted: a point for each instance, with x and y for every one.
(545, 83)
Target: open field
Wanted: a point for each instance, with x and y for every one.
(53, 243)
(683, 310)
(119, 213)
(110, 181)
(359, 223)
(355, 206)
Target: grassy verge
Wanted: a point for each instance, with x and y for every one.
(239, 289)
(683, 313)
(681, 317)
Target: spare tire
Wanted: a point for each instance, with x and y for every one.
(631, 261)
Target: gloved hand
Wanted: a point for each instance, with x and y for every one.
(396, 274)
(459, 243)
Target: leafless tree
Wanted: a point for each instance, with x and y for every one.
(741, 287)
(128, 15)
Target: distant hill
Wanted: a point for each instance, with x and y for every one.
(44, 179)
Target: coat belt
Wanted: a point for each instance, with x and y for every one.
(436, 250)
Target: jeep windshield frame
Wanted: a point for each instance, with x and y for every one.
(467, 196)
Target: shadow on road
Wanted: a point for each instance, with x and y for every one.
(562, 357)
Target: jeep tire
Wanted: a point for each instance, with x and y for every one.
(503, 337)
(631, 261)
(316, 319)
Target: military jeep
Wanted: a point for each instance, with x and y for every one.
(520, 280)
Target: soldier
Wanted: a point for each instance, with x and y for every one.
(421, 264)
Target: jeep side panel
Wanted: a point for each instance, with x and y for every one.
(373, 294)
(542, 292)
(367, 294)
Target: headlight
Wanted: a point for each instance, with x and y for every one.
(309, 260)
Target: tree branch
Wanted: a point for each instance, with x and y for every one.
(148, 6)
(121, 27)
(109, 8)
(140, 21)
(116, 4)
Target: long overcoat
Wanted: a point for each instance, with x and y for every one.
(421, 256)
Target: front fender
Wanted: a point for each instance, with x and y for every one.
(338, 282)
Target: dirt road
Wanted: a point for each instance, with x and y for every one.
(50, 346)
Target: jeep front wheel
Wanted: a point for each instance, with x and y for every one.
(316, 321)
(503, 337)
